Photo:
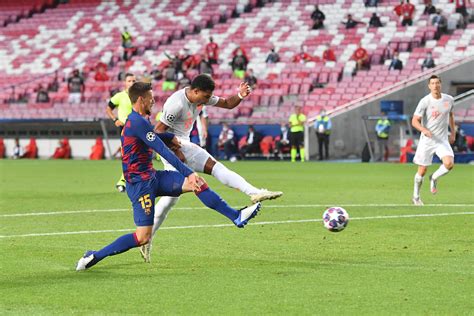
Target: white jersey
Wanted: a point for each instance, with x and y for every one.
(180, 114)
(435, 115)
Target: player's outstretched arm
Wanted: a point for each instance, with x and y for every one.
(233, 101)
(452, 126)
(151, 139)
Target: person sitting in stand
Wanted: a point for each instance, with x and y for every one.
(302, 56)
(42, 95)
(328, 54)
(361, 58)
(375, 21)
(351, 23)
(429, 62)
(251, 79)
(396, 63)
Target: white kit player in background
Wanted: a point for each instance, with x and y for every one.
(432, 116)
(179, 114)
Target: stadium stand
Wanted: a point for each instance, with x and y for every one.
(80, 34)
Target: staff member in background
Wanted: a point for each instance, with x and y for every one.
(382, 128)
(323, 126)
(121, 101)
(297, 121)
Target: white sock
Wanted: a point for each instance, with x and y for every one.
(442, 170)
(232, 179)
(164, 205)
(418, 183)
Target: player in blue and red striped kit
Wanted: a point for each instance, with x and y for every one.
(144, 183)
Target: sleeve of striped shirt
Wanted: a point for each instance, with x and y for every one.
(145, 132)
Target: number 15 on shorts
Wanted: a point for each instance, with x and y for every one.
(146, 203)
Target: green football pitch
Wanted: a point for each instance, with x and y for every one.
(393, 258)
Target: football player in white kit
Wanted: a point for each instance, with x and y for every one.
(179, 114)
(432, 116)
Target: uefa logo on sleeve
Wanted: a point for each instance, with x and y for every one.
(150, 136)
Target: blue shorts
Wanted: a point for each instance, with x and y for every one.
(143, 194)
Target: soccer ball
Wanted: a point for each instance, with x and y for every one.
(335, 219)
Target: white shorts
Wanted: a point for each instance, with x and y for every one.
(428, 147)
(196, 157)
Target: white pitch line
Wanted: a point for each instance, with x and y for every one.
(231, 225)
(203, 208)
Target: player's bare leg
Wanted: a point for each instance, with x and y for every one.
(162, 207)
(236, 181)
(417, 185)
(448, 164)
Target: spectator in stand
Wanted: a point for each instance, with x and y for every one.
(169, 74)
(205, 66)
(241, 49)
(398, 8)
(17, 150)
(361, 58)
(97, 151)
(251, 79)
(122, 73)
(283, 142)
(408, 10)
(176, 63)
(63, 151)
(462, 9)
(227, 143)
(328, 54)
(42, 95)
(239, 64)
(76, 87)
(156, 73)
(252, 144)
(127, 44)
(429, 62)
(146, 77)
(212, 51)
(54, 85)
(351, 23)
(184, 81)
(371, 3)
(101, 73)
(375, 21)
(272, 57)
(323, 126)
(429, 8)
(396, 63)
(31, 150)
(2, 149)
(441, 24)
(318, 18)
(302, 56)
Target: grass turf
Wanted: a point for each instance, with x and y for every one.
(398, 265)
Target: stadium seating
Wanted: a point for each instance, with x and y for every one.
(61, 39)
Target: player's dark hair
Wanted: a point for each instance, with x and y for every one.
(203, 82)
(129, 74)
(434, 77)
(138, 89)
